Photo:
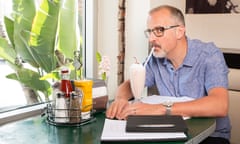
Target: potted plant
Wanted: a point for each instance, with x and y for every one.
(42, 39)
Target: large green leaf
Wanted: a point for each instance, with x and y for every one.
(9, 24)
(24, 12)
(69, 34)
(6, 51)
(43, 34)
(35, 35)
(31, 79)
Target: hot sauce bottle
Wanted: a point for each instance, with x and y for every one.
(66, 86)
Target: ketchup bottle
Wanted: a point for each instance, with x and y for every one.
(66, 86)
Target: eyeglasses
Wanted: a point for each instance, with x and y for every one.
(158, 31)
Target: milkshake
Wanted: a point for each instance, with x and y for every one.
(137, 79)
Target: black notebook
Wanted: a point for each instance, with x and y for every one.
(163, 123)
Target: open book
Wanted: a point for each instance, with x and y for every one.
(115, 130)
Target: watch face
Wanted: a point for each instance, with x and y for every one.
(168, 106)
(168, 103)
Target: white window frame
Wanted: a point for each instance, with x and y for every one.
(88, 55)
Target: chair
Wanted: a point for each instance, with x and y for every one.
(234, 104)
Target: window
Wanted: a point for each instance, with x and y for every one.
(12, 94)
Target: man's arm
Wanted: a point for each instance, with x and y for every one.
(215, 105)
(124, 91)
(123, 94)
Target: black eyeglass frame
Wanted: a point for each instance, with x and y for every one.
(160, 30)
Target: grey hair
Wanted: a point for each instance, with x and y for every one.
(175, 12)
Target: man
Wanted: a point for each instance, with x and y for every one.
(180, 67)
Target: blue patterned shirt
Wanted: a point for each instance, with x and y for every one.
(203, 68)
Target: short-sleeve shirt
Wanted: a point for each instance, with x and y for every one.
(203, 68)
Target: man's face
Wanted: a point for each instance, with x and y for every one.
(164, 44)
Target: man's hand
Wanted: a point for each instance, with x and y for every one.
(116, 108)
(140, 108)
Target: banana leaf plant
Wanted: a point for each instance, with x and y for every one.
(41, 37)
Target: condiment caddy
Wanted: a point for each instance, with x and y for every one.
(67, 105)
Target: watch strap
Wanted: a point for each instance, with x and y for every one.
(168, 110)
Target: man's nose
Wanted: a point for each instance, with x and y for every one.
(151, 37)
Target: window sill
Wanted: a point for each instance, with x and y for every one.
(21, 113)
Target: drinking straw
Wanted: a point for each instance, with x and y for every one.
(149, 57)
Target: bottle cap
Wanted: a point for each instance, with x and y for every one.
(59, 94)
(73, 94)
(64, 69)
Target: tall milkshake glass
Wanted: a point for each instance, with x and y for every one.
(137, 77)
(137, 80)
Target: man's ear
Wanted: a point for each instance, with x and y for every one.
(180, 32)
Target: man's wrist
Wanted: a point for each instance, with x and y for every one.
(121, 99)
(168, 107)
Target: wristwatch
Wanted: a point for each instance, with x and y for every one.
(168, 106)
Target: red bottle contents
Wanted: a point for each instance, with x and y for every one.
(66, 86)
